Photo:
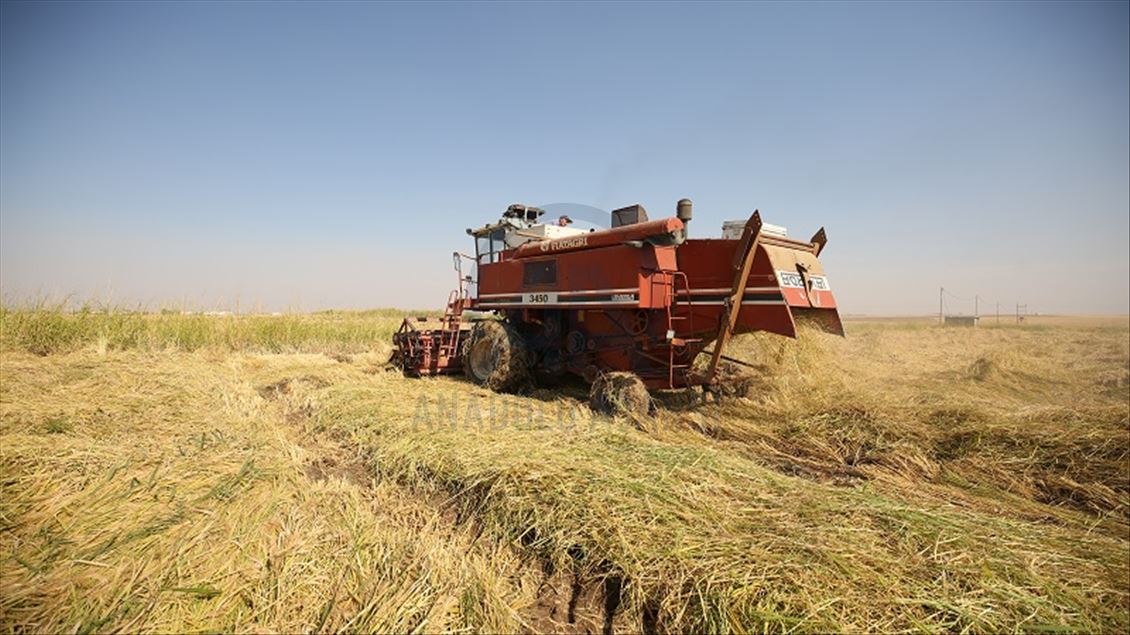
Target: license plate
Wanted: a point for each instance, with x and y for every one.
(539, 298)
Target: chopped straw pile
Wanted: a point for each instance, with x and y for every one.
(906, 478)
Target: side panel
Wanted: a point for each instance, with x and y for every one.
(708, 266)
(620, 276)
(786, 282)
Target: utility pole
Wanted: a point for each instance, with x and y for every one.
(976, 305)
(941, 318)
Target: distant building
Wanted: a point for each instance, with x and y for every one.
(962, 320)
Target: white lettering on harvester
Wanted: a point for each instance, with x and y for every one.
(564, 243)
(790, 279)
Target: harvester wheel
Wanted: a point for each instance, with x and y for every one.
(619, 393)
(496, 357)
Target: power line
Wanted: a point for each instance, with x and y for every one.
(976, 300)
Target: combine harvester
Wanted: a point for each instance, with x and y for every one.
(627, 308)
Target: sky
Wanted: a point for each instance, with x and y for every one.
(297, 157)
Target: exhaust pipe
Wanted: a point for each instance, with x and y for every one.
(684, 212)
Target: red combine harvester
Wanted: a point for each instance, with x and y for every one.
(627, 308)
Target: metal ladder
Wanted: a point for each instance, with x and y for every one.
(452, 317)
(676, 277)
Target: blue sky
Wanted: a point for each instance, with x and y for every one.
(306, 156)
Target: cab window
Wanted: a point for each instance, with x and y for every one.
(489, 246)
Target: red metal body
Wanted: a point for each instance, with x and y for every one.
(638, 298)
(626, 300)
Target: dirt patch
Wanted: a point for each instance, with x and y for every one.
(299, 415)
(329, 467)
(331, 461)
(567, 603)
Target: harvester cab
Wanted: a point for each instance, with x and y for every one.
(631, 307)
(519, 225)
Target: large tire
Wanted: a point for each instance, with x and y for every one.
(495, 356)
(620, 393)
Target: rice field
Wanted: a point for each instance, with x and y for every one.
(176, 473)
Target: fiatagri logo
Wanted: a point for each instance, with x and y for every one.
(564, 243)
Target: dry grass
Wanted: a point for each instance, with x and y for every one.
(162, 493)
(904, 478)
(45, 329)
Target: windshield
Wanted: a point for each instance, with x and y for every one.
(488, 246)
